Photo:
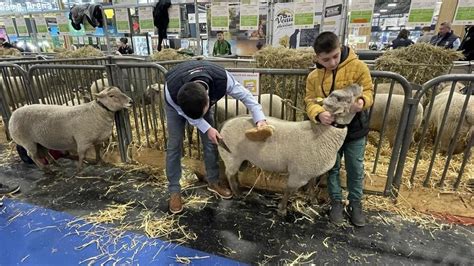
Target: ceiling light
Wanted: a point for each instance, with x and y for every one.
(376, 14)
(392, 4)
(383, 10)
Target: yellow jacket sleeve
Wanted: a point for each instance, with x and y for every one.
(365, 80)
(313, 107)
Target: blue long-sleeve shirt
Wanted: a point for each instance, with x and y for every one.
(234, 89)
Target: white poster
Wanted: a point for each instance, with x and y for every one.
(332, 16)
(249, 15)
(122, 21)
(21, 25)
(318, 11)
(219, 16)
(250, 81)
(421, 12)
(145, 17)
(284, 33)
(464, 13)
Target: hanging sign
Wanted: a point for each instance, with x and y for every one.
(304, 14)
(220, 16)
(146, 19)
(283, 24)
(9, 26)
(464, 13)
(421, 12)
(332, 16)
(63, 24)
(122, 20)
(361, 13)
(41, 25)
(174, 13)
(21, 25)
(249, 15)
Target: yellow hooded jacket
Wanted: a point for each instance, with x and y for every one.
(320, 82)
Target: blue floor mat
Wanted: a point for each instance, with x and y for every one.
(31, 235)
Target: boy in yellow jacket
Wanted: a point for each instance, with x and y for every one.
(338, 67)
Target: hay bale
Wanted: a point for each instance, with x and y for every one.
(10, 52)
(169, 54)
(418, 63)
(83, 52)
(284, 58)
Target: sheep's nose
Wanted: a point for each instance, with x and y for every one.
(130, 101)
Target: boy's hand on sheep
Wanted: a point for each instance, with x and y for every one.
(357, 106)
(213, 135)
(261, 123)
(326, 118)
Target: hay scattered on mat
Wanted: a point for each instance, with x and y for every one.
(83, 52)
(168, 54)
(418, 63)
(165, 226)
(113, 213)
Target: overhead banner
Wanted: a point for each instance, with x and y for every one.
(464, 13)
(41, 25)
(283, 25)
(21, 25)
(122, 20)
(220, 16)
(304, 14)
(175, 19)
(249, 14)
(361, 13)
(9, 26)
(332, 16)
(421, 12)
(63, 23)
(145, 16)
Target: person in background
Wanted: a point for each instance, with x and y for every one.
(191, 89)
(426, 35)
(467, 44)
(221, 46)
(446, 37)
(402, 40)
(124, 48)
(337, 67)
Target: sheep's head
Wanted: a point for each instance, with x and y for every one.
(113, 99)
(339, 103)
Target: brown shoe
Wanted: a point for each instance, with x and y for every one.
(175, 203)
(221, 191)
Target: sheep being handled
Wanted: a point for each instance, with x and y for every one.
(302, 149)
(38, 127)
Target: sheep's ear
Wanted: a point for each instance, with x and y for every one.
(98, 95)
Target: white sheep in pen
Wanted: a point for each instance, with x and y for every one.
(393, 116)
(277, 109)
(302, 149)
(452, 120)
(38, 127)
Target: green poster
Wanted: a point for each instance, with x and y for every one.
(361, 16)
(248, 20)
(146, 19)
(9, 26)
(304, 19)
(174, 23)
(421, 15)
(220, 21)
(122, 20)
(41, 26)
(63, 23)
(465, 14)
(21, 26)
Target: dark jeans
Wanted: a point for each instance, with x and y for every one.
(176, 124)
(353, 153)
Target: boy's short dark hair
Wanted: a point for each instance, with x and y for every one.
(221, 32)
(192, 98)
(326, 42)
(124, 40)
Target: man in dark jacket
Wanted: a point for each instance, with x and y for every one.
(467, 44)
(446, 37)
(161, 20)
(191, 89)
